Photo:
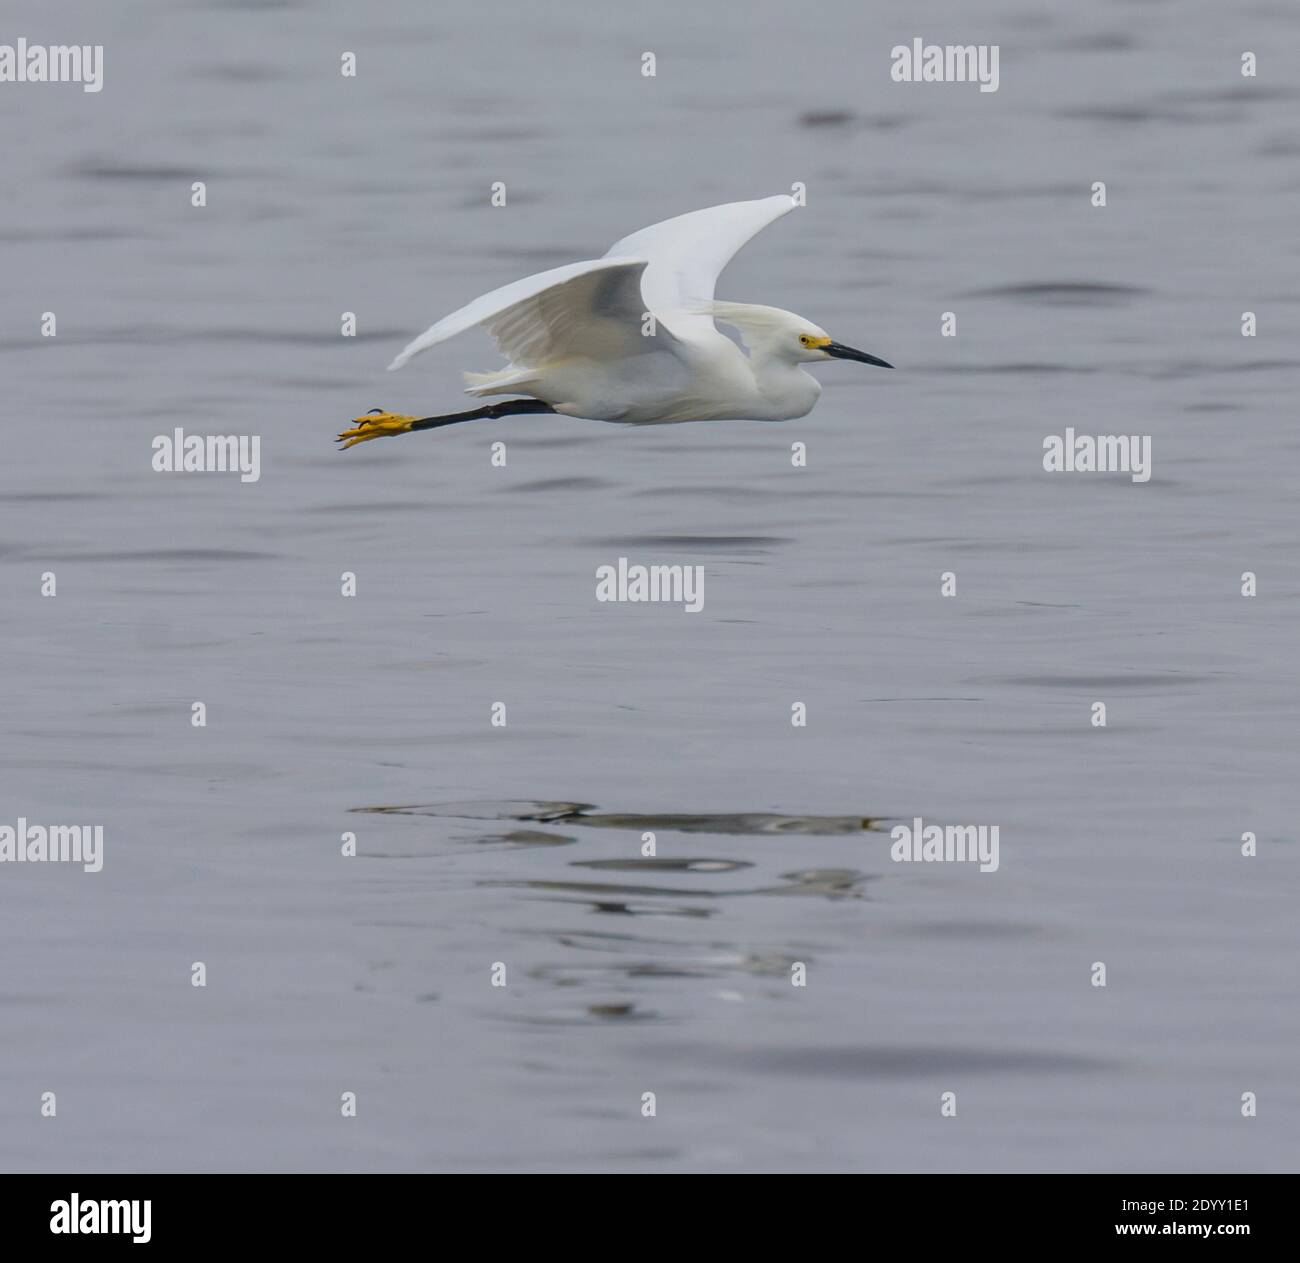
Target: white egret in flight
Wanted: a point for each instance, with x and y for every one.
(632, 337)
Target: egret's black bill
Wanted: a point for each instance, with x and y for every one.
(842, 352)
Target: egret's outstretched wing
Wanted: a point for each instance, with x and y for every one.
(591, 308)
(687, 253)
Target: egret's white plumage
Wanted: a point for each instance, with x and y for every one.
(578, 338)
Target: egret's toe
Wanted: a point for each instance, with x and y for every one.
(375, 424)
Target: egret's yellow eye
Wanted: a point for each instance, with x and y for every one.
(805, 339)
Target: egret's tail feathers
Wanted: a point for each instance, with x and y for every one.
(503, 381)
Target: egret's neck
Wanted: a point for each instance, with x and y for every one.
(791, 391)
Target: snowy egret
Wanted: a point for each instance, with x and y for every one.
(632, 337)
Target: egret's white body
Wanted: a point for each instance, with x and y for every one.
(579, 338)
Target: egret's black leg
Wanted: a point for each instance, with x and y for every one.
(492, 411)
(379, 424)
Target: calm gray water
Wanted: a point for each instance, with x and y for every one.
(476, 585)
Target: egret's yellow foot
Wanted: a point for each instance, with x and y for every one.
(376, 424)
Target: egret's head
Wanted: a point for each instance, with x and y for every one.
(769, 331)
(811, 343)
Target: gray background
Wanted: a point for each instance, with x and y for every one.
(476, 585)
